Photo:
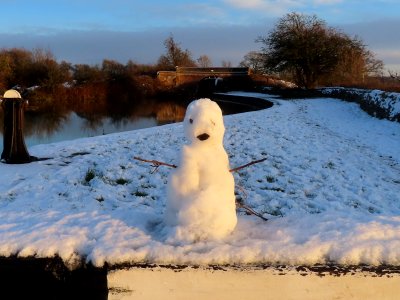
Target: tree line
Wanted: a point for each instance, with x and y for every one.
(25, 69)
(46, 82)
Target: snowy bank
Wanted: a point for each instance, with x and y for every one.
(330, 188)
(380, 104)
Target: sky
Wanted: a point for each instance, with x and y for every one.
(88, 31)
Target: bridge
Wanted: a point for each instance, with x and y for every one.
(184, 75)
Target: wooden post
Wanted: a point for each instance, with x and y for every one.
(14, 148)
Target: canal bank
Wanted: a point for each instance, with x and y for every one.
(112, 217)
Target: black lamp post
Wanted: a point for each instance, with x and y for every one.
(14, 148)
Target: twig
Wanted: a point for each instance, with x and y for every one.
(245, 207)
(240, 188)
(246, 165)
(155, 163)
(250, 210)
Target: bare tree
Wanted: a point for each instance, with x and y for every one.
(310, 50)
(204, 61)
(113, 69)
(355, 63)
(175, 56)
(254, 60)
(394, 75)
(84, 73)
(29, 68)
(226, 64)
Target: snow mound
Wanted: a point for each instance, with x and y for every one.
(381, 104)
(330, 188)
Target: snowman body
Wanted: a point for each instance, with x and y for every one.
(200, 192)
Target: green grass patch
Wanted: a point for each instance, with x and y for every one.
(90, 174)
(122, 181)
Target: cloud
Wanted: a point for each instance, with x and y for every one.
(391, 58)
(380, 36)
(391, 53)
(229, 43)
(250, 4)
(262, 6)
(277, 5)
(327, 2)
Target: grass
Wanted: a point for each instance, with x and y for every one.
(100, 198)
(140, 194)
(122, 181)
(90, 174)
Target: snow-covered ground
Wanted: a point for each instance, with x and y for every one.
(330, 188)
(388, 103)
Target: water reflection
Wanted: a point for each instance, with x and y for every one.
(95, 119)
(60, 125)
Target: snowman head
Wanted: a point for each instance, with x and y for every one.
(204, 123)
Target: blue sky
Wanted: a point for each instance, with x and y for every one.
(87, 31)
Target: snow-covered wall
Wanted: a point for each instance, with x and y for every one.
(380, 104)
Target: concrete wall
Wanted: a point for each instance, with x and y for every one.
(230, 284)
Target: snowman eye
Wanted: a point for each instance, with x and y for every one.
(191, 121)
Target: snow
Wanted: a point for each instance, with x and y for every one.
(389, 102)
(201, 191)
(330, 188)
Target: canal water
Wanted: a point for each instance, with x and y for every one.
(56, 126)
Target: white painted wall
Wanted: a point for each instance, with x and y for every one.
(203, 283)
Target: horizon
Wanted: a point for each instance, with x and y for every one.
(225, 30)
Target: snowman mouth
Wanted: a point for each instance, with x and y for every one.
(203, 137)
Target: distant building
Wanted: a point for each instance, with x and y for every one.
(193, 74)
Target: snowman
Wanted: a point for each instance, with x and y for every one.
(200, 193)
